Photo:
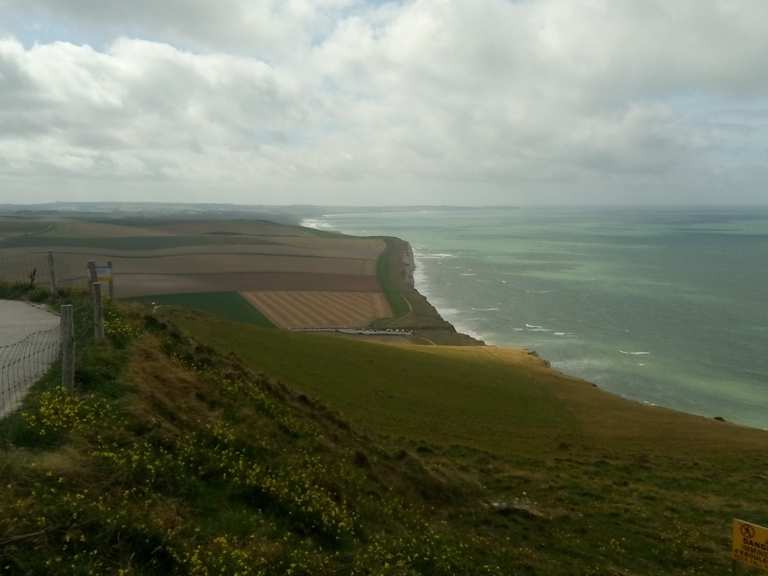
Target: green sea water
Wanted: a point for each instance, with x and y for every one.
(664, 306)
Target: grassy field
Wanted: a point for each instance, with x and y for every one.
(591, 483)
(226, 305)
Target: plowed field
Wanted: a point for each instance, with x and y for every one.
(300, 309)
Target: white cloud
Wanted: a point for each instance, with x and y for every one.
(338, 101)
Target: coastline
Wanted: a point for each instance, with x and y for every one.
(400, 279)
(433, 326)
(413, 310)
(525, 354)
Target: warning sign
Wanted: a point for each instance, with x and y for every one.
(750, 544)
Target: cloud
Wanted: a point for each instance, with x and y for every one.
(342, 101)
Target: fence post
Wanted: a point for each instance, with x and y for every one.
(52, 274)
(98, 312)
(91, 275)
(67, 346)
(111, 281)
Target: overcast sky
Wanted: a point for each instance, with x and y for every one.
(353, 102)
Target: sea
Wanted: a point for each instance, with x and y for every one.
(663, 306)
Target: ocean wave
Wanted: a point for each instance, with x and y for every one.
(316, 223)
(635, 353)
(532, 326)
(434, 255)
(449, 311)
(485, 309)
(468, 274)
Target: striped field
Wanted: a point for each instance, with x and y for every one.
(304, 309)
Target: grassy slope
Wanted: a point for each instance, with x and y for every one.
(172, 459)
(349, 374)
(608, 482)
(226, 305)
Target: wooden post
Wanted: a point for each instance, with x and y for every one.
(111, 281)
(91, 275)
(67, 346)
(98, 312)
(52, 274)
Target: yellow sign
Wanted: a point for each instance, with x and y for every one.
(750, 544)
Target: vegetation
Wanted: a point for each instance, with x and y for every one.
(388, 270)
(578, 480)
(178, 460)
(196, 445)
(226, 305)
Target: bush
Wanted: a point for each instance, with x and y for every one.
(39, 295)
(14, 290)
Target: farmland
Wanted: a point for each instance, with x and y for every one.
(227, 305)
(302, 309)
(197, 262)
(293, 276)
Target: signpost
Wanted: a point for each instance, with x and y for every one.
(750, 544)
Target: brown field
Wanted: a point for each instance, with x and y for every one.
(157, 257)
(302, 309)
(71, 264)
(133, 285)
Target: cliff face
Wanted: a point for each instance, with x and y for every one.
(417, 313)
(409, 266)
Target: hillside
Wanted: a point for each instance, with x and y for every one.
(200, 446)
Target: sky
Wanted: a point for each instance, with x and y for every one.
(520, 102)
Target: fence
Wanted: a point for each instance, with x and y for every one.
(23, 363)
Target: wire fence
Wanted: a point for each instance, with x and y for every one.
(23, 363)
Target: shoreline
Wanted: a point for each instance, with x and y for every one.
(545, 363)
(420, 283)
(423, 317)
(416, 286)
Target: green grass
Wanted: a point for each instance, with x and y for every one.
(186, 463)
(226, 305)
(388, 273)
(397, 391)
(600, 485)
(245, 450)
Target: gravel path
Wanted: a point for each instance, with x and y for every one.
(19, 319)
(29, 345)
